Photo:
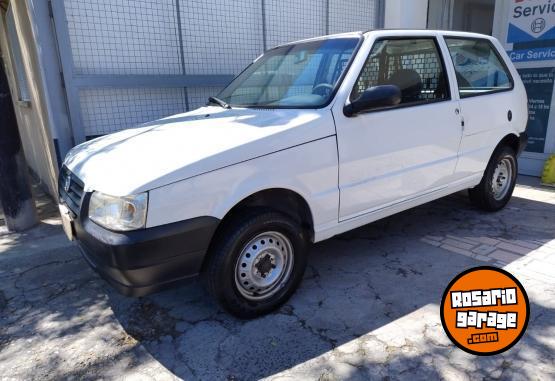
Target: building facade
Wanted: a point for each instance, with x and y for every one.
(103, 66)
(526, 28)
(80, 69)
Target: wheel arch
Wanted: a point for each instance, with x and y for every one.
(511, 140)
(282, 200)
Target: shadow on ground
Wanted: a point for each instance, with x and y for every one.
(355, 284)
(367, 309)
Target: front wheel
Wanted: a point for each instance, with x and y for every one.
(256, 263)
(497, 185)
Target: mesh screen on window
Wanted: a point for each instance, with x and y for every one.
(414, 65)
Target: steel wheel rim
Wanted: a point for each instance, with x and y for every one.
(502, 178)
(264, 265)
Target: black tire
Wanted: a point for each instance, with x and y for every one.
(219, 272)
(483, 195)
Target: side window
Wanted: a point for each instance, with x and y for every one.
(414, 65)
(478, 67)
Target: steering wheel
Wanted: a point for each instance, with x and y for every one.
(323, 89)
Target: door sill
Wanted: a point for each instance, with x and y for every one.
(371, 215)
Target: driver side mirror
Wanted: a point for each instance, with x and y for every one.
(374, 97)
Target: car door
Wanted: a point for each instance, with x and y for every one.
(488, 103)
(388, 155)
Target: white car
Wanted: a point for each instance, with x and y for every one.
(313, 139)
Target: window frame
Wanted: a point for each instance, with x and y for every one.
(435, 40)
(499, 58)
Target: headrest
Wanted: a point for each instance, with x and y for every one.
(410, 83)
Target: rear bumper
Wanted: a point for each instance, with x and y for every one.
(140, 262)
(523, 142)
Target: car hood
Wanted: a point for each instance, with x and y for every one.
(186, 145)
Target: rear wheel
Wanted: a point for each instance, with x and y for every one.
(256, 262)
(499, 180)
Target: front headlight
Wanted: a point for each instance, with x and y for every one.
(119, 213)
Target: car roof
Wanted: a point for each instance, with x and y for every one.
(393, 32)
(326, 37)
(423, 32)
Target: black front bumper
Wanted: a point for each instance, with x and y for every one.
(143, 261)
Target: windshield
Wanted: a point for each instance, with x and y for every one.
(302, 75)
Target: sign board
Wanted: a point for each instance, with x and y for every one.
(539, 86)
(531, 30)
(531, 46)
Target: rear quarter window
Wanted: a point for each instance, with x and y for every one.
(478, 66)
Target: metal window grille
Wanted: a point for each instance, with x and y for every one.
(220, 36)
(380, 68)
(199, 95)
(131, 61)
(352, 15)
(428, 66)
(123, 37)
(290, 20)
(106, 110)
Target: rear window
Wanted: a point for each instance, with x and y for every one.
(478, 67)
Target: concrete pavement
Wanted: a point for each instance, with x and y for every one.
(368, 307)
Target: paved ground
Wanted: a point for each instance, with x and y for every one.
(367, 308)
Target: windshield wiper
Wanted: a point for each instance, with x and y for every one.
(219, 102)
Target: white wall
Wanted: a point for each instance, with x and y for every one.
(405, 14)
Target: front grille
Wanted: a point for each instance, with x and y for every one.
(71, 191)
